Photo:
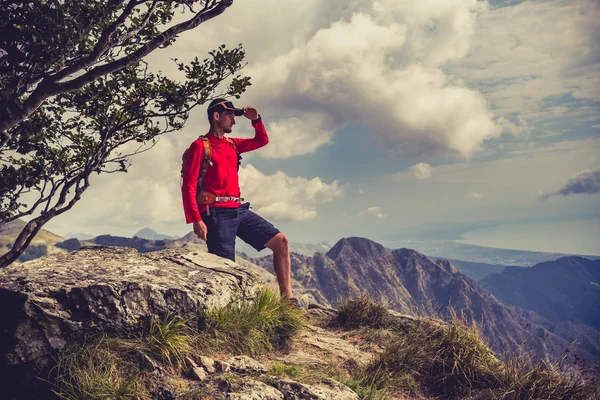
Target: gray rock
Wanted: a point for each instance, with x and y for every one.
(222, 366)
(208, 364)
(327, 390)
(245, 364)
(53, 301)
(198, 373)
(255, 390)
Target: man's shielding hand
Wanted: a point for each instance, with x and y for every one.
(250, 113)
(200, 230)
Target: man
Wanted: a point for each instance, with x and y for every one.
(219, 222)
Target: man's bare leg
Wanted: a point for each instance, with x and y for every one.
(281, 263)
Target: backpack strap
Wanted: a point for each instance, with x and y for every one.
(206, 162)
(239, 156)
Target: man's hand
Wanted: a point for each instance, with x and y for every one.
(200, 230)
(250, 113)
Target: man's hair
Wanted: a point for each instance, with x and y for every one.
(210, 114)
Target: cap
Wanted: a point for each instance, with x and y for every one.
(225, 106)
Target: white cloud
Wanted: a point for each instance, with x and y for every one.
(421, 170)
(149, 194)
(597, 126)
(374, 211)
(296, 136)
(373, 71)
(474, 196)
(286, 198)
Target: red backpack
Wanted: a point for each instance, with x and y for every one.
(203, 196)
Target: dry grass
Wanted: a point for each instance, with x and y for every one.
(451, 361)
(362, 311)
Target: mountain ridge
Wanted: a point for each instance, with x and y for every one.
(409, 281)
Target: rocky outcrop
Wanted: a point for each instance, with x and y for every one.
(55, 301)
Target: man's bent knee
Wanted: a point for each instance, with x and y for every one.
(278, 243)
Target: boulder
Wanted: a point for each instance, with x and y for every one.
(57, 300)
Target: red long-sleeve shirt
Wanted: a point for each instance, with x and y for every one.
(222, 177)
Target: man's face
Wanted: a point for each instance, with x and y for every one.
(226, 121)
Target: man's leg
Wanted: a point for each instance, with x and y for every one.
(281, 263)
(222, 225)
(260, 233)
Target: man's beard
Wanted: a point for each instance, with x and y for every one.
(227, 130)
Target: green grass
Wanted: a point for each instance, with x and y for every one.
(252, 327)
(290, 371)
(167, 342)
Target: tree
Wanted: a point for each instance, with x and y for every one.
(52, 47)
(47, 158)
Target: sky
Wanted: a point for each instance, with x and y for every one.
(392, 120)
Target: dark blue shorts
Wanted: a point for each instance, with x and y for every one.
(224, 224)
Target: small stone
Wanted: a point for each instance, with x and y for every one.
(191, 361)
(208, 364)
(245, 364)
(255, 390)
(222, 366)
(198, 373)
(328, 389)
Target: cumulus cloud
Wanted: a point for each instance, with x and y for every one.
(382, 67)
(421, 170)
(296, 136)
(287, 198)
(149, 194)
(474, 196)
(587, 181)
(374, 211)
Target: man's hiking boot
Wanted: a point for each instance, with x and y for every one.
(294, 303)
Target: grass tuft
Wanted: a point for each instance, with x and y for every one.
(96, 372)
(362, 311)
(252, 328)
(290, 371)
(166, 342)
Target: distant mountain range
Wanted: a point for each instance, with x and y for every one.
(565, 289)
(410, 282)
(480, 254)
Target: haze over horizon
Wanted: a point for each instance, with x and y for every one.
(434, 120)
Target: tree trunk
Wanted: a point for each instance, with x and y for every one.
(23, 240)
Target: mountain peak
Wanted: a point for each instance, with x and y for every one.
(151, 234)
(362, 246)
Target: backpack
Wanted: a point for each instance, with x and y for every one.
(206, 161)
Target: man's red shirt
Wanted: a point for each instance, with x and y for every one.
(222, 177)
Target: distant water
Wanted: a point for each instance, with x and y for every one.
(573, 236)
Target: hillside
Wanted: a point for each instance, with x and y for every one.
(567, 289)
(42, 244)
(410, 282)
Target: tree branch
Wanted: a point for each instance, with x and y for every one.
(47, 88)
(100, 47)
